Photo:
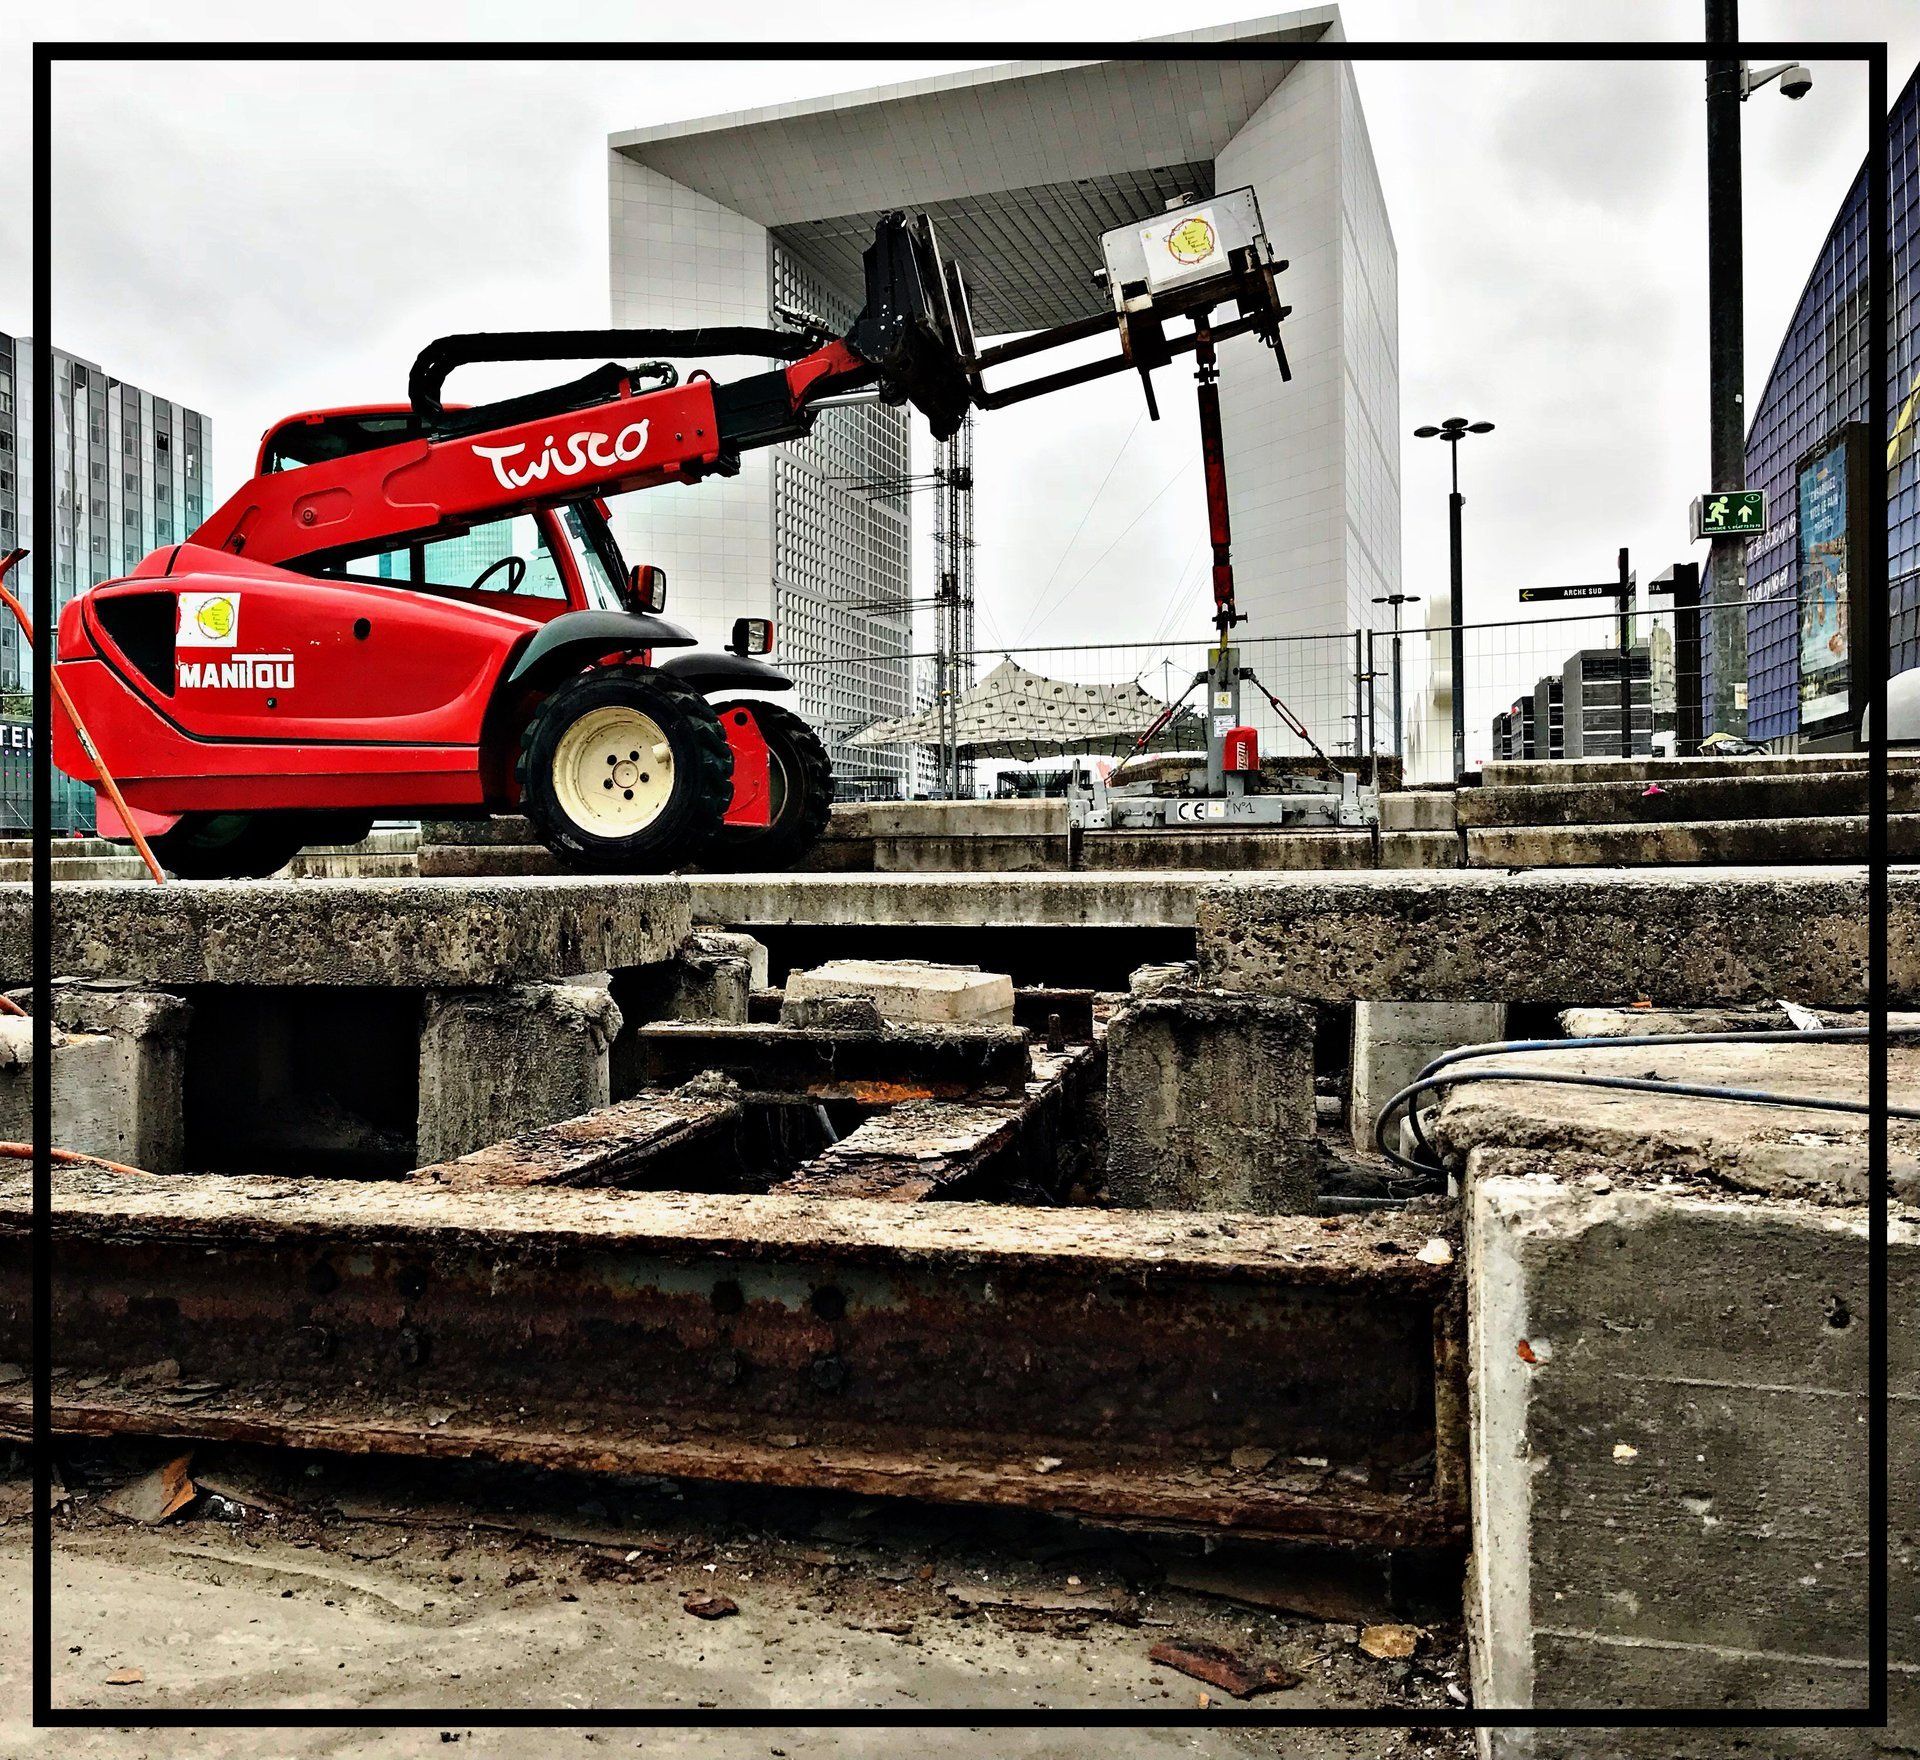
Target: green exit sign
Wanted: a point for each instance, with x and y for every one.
(1734, 513)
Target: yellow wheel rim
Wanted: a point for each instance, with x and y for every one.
(613, 772)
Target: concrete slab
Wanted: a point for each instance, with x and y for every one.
(1255, 851)
(917, 991)
(1129, 899)
(1524, 772)
(391, 933)
(1633, 1023)
(1732, 841)
(1676, 936)
(1817, 1156)
(1807, 794)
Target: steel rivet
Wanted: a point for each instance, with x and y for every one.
(828, 1374)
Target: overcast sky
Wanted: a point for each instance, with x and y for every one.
(257, 238)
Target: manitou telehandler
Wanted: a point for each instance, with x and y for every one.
(420, 610)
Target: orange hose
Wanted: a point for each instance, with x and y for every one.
(79, 727)
(72, 1158)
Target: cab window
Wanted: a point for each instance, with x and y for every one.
(502, 556)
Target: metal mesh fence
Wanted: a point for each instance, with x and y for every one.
(1545, 686)
(1525, 676)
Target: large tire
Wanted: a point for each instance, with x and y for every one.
(624, 770)
(229, 846)
(802, 779)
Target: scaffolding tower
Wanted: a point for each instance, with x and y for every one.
(953, 638)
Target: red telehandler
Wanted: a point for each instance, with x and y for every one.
(420, 609)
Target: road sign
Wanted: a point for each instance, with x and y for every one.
(1683, 577)
(1600, 590)
(1731, 514)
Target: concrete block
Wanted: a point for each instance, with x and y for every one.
(1418, 810)
(1174, 975)
(967, 837)
(1679, 937)
(440, 934)
(729, 944)
(485, 861)
(1419, 849)
(1210, 1104)
(1393, 1041)
(1670, 1483)
(970, 855)
(711, 977)
(1669, 1382)
(906, 990)
(498, 1062)
(119, 1067)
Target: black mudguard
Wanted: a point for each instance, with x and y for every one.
(705, 672)
(575, 637)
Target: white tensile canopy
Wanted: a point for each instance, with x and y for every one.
(1014, 713)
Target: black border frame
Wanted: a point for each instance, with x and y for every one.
(1874, 656)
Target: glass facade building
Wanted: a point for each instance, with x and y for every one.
(1808, 421)
(129, 475)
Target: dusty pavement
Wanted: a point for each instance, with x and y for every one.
(302, 1581)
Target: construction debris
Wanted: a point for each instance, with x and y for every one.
(1390, 1643)
(1220, 1667)
(155, 1496)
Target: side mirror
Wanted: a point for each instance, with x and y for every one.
(649, 587)
(752, 635)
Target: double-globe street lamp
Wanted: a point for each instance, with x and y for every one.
(1453, 430)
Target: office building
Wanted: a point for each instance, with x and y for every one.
(129, 475)
(1810, 450)
(1021, 167)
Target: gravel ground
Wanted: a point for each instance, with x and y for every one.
(300, 1582)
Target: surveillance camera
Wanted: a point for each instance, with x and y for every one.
(1797, 81)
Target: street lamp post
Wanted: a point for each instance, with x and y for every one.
(1730, 82)
(1396, 600)
(1453, 430)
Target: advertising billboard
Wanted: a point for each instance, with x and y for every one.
(1826, 508)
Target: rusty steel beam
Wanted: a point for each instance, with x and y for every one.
(831, 1063)
(1272, 1376)
(635, 1142)
(1031, 1147)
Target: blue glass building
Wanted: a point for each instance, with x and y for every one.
(1809, 420)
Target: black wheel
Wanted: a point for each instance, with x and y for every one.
(624, 770)
(802, 785)
(228, 846)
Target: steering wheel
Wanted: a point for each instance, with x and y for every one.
(516, 568)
